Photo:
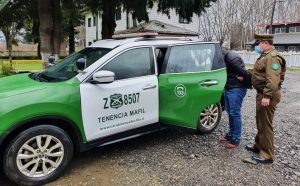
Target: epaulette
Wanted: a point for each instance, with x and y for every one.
(273, 54)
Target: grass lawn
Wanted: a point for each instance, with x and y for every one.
(25, 65)
(21, 65)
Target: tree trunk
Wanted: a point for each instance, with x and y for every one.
(134, 23)
(50, 26)
(46, 28)
(39, 50)
(8, 39)
(127, 20)
(71, 37)
(97, 26)
(108, 19)
(56, 36)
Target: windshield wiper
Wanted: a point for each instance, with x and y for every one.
(38, 76)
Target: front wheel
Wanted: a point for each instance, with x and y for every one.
(38, 155)
(209, 118)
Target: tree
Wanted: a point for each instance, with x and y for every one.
(72, 17)
(50, 27)
(3, 3)
(138, 8)
(185, 8)
(32, 24)
(10, 24)
(235, 20)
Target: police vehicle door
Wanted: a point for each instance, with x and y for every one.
(193, 77)
(131, 101)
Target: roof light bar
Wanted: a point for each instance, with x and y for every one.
(133, 35)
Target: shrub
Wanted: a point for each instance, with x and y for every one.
(7, 70)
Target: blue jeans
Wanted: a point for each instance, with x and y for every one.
(233, 104)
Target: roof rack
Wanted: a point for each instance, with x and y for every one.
(134, 35)
(167, 38)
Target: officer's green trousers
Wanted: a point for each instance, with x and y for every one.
(264, 139)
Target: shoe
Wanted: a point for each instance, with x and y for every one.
(225, 138)
(249, 160)
(232, 144)
(251, 148)
(260, 159)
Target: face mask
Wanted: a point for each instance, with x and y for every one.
(258, 49)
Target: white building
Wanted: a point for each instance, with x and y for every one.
(176, 20)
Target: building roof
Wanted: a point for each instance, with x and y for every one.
(279, 23)
(284, 39)
(163, 29)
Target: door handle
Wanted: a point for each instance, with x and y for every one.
(209, 83)
(147, 87)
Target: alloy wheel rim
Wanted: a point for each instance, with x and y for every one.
(40, 156)
(209, 117)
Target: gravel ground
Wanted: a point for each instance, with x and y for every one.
(179, 157)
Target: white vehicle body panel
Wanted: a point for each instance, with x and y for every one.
(101, 117)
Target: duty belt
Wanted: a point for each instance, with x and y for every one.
(261, 90)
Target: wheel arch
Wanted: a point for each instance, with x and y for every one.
(59, 121)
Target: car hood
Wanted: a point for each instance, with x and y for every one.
(18, 84)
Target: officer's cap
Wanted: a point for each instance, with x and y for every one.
(262, 37)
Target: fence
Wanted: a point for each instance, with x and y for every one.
(292, 58)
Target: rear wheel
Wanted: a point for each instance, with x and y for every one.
(38, 155)
(209, 118)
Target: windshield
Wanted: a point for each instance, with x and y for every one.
(66, 69)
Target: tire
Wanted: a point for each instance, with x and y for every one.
(38, 162)
(209, 118)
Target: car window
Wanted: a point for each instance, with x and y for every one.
(160, 56)
(191, 58)
(67, 68)
(132, 63)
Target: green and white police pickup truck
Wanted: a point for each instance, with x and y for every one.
(108, 91)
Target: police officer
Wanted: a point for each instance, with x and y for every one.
(268, 75)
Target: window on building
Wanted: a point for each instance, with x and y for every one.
(280, 48)
(292, 29)
(183, 20)
(94, 21)
(89, 22)
(294, 48)
(118, 14)
(280, 30)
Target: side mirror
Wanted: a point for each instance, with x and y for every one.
(81, 64)
(103, 76)
(51, 59)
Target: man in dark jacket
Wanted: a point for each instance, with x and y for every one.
(234, 93)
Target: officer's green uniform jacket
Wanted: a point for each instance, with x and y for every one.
(268, 73)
